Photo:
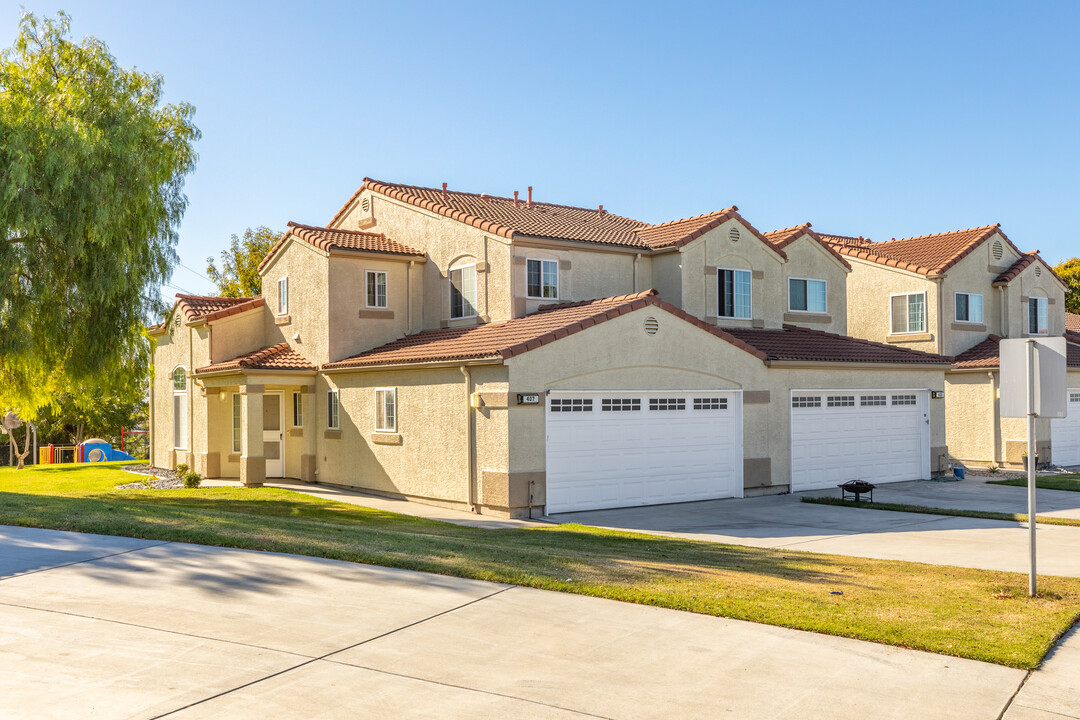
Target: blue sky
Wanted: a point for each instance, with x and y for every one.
(875, 119)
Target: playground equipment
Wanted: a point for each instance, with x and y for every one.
(93, 450)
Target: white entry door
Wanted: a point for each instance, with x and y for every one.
(875, 435)
(625, 448)
(1065, 433)
(273, 437)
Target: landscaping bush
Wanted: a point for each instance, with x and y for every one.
(192, 479)
(182, 469)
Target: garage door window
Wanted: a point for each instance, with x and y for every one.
(841, 401)
(805, 402)
(572, 405)
(667, 403)
(712, 403)
(903, 399)
(620, 404)
(1074, 397)
(872, 401)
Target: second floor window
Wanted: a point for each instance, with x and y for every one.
(543, 278)
(909, 313)
(969, 307)
(376, 289)
(463, 292)
(806, 295)
(283, 296)
(1038, 316)
(733, 293)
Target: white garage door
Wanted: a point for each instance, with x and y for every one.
(1065, 434)
(874, 435)
(620, 449)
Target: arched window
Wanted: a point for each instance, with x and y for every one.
(180, 408)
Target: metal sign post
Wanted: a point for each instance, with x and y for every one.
(1033, 385)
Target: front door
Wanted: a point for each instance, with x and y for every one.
(273, 438)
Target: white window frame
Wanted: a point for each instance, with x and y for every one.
(982, 307)
(237, 422)
(450, 291)
(386, 289)
(333, 409)
(380, 398)
(180, 425)
(926, 314)
(807, 281)
(1043, 312)
(541, 296)
(297, 410)
(719, 299)
(283, 295)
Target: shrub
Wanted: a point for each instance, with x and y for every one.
(182, 469)
(192, 479)
(993, 469)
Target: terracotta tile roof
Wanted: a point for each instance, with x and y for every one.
(275, 357)
(504, 340)
(201, 307)
(1025, 260)
(1072, 322)
(507, 218)
(327, 239)
(845, 239)
(1072, 337)
(986, 355)
(926, 254)
(983, 355)
(251, 304)
(802, 344)
(780, 239)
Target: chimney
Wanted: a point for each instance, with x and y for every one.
(515, 198)
(600, 212)
(445, 196)
(530, 197)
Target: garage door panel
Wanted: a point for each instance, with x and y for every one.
(861, 440)
(622, 458)
(1065, 433)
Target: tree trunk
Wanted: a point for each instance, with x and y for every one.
(79, 429)
(15, 443)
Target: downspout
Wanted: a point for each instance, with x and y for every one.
(994, 388)
(470, 432)
(408, 297)
(191, 399)
(151, 433)
(637, 259)
(1004, 330)
(940, 282)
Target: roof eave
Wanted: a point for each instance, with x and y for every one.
(856, 364)
(413, 365)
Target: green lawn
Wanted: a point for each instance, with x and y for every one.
(969, 613)
(1048, 482)
(928, 510)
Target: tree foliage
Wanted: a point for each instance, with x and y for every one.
(239, 273)
(1069, 271)
(92, 167)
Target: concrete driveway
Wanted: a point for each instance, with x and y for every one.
(103, 627)
(784, 521)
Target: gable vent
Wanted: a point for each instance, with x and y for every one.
(733, 234)
(365, 205)
(1038, 271)
(998, 250)
(652, 325)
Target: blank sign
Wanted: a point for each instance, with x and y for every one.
(1051, 397)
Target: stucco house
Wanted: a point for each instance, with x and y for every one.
(513, 357)
(957, 294)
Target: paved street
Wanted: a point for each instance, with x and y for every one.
(100, 627)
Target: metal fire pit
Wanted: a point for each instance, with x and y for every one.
(856, 488)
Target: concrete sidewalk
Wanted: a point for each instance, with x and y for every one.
(102, 627)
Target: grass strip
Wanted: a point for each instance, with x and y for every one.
(1070, 483)
(977, 614)
(927, 510)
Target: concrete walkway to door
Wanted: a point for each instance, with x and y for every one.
(110, 628)
(784, 521)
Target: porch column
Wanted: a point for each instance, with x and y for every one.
(207, 463)
(311, 429)
(252, 460)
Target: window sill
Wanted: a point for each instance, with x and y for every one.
(296, 432)
(376, 314)
(233, 457)
(909, 337)
(386, 438)
(806, 316)
(964, 326)
(332, 434)
(282, 319)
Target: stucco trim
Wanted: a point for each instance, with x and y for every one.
(381, 438)
(756, 397)
(282, 319)
(968, 327)
(332, 434)
(909, 337)
(376, 314)
(814, 318)
(296, 432)
(757, 472)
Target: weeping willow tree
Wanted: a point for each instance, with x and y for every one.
(92, 168)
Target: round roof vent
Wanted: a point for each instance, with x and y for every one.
(733, 234)
(1038, 271)
(652, 325)
(997, 250)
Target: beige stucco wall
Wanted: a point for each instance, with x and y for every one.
(351, 332)
(808, 259)
(583, 274)
(1028, 285)
(972, 274)
(869, 290)
(970, 411)
(239, 334)
(309, 303)
(431, 461)
(185, 346)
